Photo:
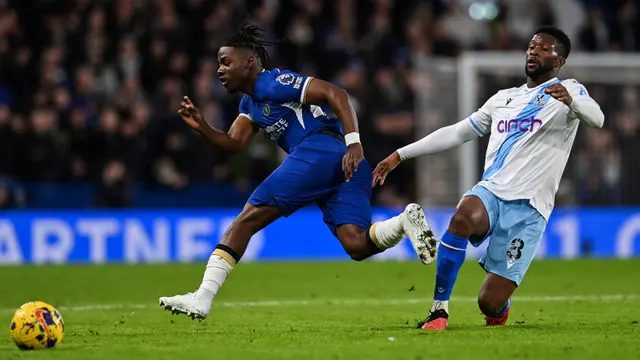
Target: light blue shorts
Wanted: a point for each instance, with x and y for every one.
(515, 228)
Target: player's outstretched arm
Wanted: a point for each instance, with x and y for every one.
(242, 130)
(321, 92)
(439, 140)
(476, 125)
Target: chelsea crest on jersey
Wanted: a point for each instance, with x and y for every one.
(277, 106)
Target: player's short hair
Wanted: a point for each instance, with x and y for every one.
(251, 37)
(560, 36)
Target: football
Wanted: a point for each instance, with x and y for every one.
(36, 325)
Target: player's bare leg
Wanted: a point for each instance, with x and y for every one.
(470, 220)
(222, 261)
(494, 299)
(356, 242)
(361, 244)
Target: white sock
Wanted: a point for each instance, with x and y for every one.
(440, 304)
(387, 234)
(218, 269)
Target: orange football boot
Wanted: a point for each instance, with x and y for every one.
(437, 321)
(499, 321)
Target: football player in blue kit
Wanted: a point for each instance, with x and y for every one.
(325, 165)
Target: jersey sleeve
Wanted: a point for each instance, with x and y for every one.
(285, 86)
(481, 119)
(244, 109)
(441, 139)
(576, 89)
(583, 107)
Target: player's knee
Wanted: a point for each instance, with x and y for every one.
(354, 245)
(355, 250)
(358, 256)
(469, 219)
(356, 253)
(461, 224)
(490, 305)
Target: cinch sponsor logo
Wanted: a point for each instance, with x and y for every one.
(519, 125)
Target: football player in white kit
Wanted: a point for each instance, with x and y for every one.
(532, 131)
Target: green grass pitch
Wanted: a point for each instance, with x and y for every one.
(587, 309)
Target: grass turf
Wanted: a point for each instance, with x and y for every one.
(329, 311)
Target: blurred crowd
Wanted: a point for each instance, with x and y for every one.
(89, 88)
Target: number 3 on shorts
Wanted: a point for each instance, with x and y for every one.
(514, 252)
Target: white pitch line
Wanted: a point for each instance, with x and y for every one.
(350, 302)
(384, 302)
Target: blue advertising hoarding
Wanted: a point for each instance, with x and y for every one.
(145, 236)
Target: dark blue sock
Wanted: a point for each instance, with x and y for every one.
(448, 264)
(498, 315)
(506, 307)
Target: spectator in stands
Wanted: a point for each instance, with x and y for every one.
(113, 190)
(11, 195)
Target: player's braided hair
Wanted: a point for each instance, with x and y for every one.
(251, 37)
(560, 36)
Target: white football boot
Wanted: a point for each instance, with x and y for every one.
(187, 304)
(419, 232)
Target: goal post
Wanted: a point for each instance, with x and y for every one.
(470, 80)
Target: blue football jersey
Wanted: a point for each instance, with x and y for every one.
(277, 106)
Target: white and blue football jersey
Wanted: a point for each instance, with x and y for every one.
(531, 138)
